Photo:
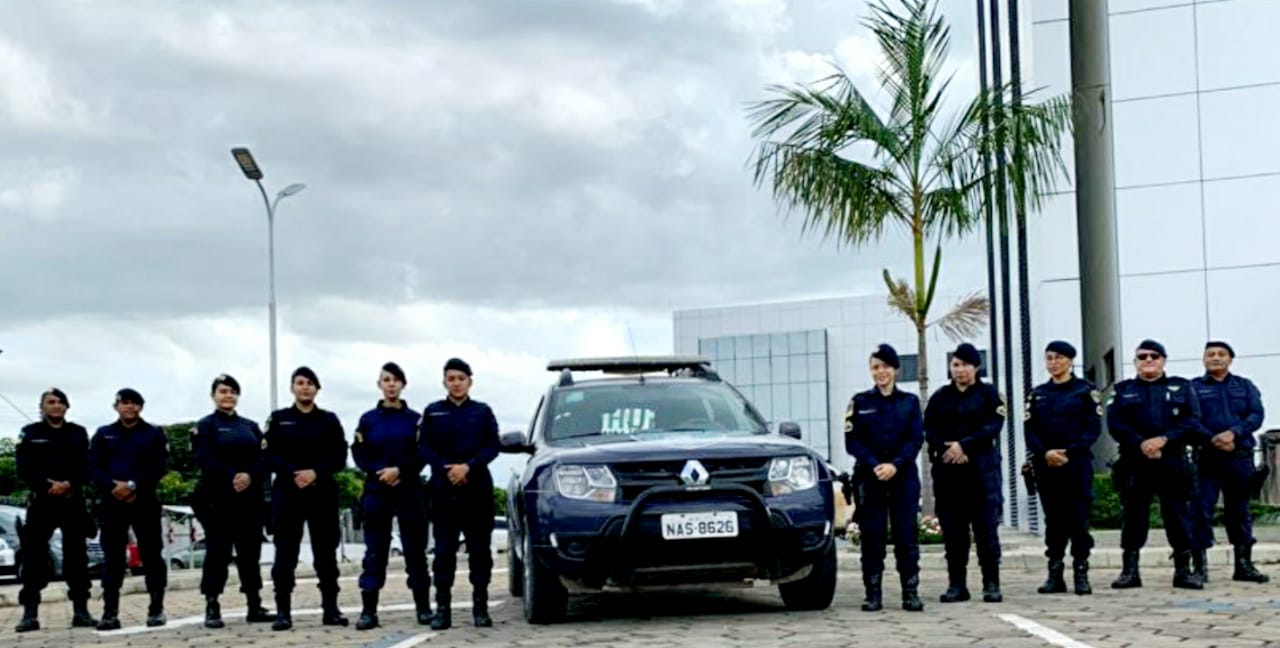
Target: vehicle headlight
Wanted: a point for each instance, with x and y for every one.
(4, 546)
(595, 483)
(791, 474)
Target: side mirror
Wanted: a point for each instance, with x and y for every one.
(789, 429)
(515, 443)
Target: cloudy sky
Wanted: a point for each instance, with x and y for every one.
(507, 181)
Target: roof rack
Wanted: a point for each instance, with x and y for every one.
(672, 364)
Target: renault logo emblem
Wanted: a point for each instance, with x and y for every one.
(694, 474)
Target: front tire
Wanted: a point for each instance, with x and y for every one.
(815, 591)
(545, 598)
(515, 571)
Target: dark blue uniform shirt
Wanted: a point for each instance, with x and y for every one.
(226, 445)
(387, 437)
(1063, 416)
(452, 433)
(118, 453)
(973, 417)
(883, 429)
(1232, 404)
(297, 440)
(47, 453)
(1142, 410)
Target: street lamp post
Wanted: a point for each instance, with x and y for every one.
(253, 172)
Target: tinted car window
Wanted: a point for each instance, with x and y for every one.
(654, 409)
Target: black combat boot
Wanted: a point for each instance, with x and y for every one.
(422, 603)
(284, 612)
(991, 584)
(1055, 584)
(480, 608)
(255, 613)
(910, 594)
(1183, 577)
(80, 617)
(958, 589)
(875, 598)
(155, 610)
(1245, 571)
(369, 613)
(332, 613)
(1080, 570)
(30, 618)
(110, 612)
(1129, 574)
(213, 613)
(1200, 564)
(443, 620)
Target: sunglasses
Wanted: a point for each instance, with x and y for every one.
(1148, 356)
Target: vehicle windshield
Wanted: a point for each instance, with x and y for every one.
(650, 410)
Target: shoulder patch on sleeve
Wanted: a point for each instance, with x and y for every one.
(1002, 408)
(264, 443)
(1095, 395)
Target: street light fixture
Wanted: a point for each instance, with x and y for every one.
(253, 172)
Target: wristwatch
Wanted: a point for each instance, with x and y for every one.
(133, 486)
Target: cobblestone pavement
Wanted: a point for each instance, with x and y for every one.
(1225, 614)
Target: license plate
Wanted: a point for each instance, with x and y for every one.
(683, 526)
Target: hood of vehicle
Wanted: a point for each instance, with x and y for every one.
(670, 449)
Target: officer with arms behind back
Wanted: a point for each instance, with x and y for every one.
(1062, 422)
(231, 490)
(882, 430)
(1152, 418)
(126, 461)
(305, 447)
(1231, 410)
(53, 463)
(386, 449)
(458, 439)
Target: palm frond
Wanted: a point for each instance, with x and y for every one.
(901, 297)
(966, 319)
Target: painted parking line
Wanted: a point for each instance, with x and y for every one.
(1043, 632)
(412, 641)
(227, 614)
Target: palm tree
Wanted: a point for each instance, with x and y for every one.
(922, 175)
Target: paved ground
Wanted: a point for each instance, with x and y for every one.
(1225, 614)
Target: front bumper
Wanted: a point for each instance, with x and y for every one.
(595, 544)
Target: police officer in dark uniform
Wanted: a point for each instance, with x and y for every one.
(1231, 411)
(231, 496)
(305, 447)
(1063, 420)
(1153, 418)
(53, 462)
(458, 439)
(962, 424)
(126, 461)
(882, 430)
(386, 449)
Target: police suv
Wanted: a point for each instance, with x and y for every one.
(657, 474)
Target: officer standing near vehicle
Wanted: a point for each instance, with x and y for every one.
(1063, 420)
(386, 449)
(126, 461)
(1153, 418)
(230, 496)
(458, 440)
(305, 447)
(52, 459)
(1231, 411)
(961, 424)
(883, 432)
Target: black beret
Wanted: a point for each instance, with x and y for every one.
(129, 395)
(395, 370)
(224, 379)
(307, 373)
(1062, 348)
(456, 364)
(1221, 345)
(54, 391)
(968, 354)
(1152, 345)
(887, 355)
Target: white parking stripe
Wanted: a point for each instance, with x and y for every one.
(412, 641)
(228, 614)
(1048, 634)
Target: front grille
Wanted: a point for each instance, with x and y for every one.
(635, 478)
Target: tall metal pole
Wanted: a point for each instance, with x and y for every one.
(1095, 198)
(993, 362)
(271, 272)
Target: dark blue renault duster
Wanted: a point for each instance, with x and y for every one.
(659, 474)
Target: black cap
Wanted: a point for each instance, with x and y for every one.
(968, 354)
(1062, 348)
(54, 391)
(307, 373)
(129, 395)
(456, 364)
(395, 370)
(224, 379)
(1152, 345)
(887, 355)
(1220, 345)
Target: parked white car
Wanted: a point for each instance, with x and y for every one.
(8, 563)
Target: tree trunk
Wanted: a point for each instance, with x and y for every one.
(922, 379)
